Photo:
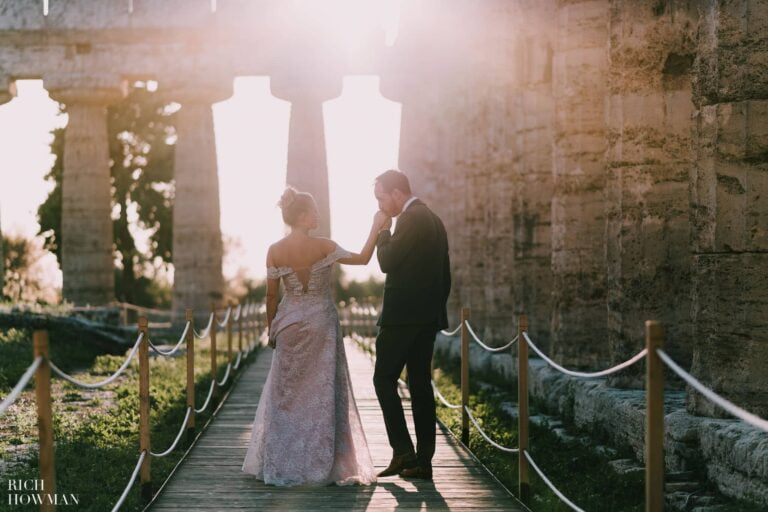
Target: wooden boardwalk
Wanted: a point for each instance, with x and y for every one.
(211, 477)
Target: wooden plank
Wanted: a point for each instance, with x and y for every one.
(211, 477)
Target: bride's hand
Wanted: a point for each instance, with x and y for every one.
(381, 221)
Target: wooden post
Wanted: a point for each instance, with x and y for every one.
(44, 419)
(214, 359)
(654, 420)
(146, 483)
(191, 376)
(464, 376)
(243, 312)
(229, 331)
(522, 403)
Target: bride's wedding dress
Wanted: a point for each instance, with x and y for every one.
(307, 428)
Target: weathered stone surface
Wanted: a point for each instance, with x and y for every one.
(86, 222)
(197, 243)
(730, 215)
(578, 206)
(649, 159)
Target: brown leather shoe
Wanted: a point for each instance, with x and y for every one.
(399, 463)
(420, 472)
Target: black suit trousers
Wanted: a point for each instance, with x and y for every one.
(408, 346)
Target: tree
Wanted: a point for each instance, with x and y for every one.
(22, 278)
(141, 134)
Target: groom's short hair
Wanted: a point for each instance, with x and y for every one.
(394, 179)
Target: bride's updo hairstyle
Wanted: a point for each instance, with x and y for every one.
(293, 203)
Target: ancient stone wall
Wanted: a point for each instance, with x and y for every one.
(729, 204)
(649, 159)
(618, 179)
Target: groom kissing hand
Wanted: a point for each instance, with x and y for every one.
(415, 260)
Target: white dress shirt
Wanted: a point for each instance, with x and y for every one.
(408, 203)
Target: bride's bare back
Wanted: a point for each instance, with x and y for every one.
(299, 253)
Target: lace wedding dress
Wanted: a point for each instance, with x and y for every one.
(307, 428)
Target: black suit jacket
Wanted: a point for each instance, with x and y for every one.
(415, 260)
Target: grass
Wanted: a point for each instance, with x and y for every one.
(96, 431)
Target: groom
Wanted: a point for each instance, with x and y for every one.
(415, 260)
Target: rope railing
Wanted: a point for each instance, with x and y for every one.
(246, 317)
(182, 339)
(549, 484)
(225, 321)
(19, 387)
(178, 436)
(485, 436)
(226, 375)
(486, 347)
(207, 330)
(585, 375)
(451, 333)
(94, 385)
(718, 400)
(442, 399)
(208, 397)
(237, 313)
(655, 357)
(139, 464)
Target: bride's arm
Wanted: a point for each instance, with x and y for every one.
(364, 256)
(273, 287)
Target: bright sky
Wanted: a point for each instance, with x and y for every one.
(362, 131)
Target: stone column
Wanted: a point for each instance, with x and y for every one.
(455, 143)
(87, 254)
(729, 208)
(197, 241)
(530, 191)
(579, 337)
(649, 163)
(307, 160)
(419, 77)
(7, 93)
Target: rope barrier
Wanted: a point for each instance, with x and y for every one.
(486, 347)
(239, 311)
(550, 485)
(130, 482)
(239, 357)
(443, 399)
(226, 375)
(104, 382)
(485, 436)
(451, 333)
(19, 387)
(732, 408)
(174, 349)
(208, 398)
(178, 436)
(205, 332)
(224, 321)
(586, 375)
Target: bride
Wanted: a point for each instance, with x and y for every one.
(307, 428)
